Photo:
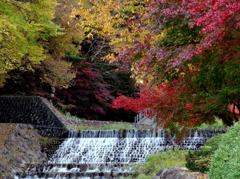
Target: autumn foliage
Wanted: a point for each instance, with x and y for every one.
(186, 53)
(158, 102)
(89, 96)
(188, 57)
(162, 103)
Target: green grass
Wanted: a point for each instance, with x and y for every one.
(158, 161)
(107, 127)
(45, 141)
(68, 115)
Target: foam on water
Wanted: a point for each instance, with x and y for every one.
(106, 150)
(106, 154)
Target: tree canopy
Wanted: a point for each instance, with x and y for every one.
(185, 53)
(190, 57)
(28, 41)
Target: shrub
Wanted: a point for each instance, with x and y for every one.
(226, 160)
(158, 161)
(200, 160)
(218, 124)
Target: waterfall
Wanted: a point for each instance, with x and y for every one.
(109, 153)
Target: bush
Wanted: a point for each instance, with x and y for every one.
(158, 161)
(200, 160)
(226, 160)
(218, 124)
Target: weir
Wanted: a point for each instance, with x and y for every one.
(108, 153)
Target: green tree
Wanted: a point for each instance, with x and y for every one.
(23, 27)
(30, 41)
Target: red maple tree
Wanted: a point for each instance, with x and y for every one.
(196, 38)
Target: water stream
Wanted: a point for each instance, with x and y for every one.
(108, 154)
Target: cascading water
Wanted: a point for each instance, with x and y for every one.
(107, 154)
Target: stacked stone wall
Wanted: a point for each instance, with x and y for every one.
(32, 110)
(21, 149)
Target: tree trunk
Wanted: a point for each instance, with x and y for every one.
(226, 119)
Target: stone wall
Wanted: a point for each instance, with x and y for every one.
(32, 110)
(43, 116)
(21, 149)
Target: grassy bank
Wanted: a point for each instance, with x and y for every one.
(107, 127)
(155, 162)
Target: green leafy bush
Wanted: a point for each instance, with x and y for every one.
(200, 160)
(158, 161)
(226, 160)
(218, 124)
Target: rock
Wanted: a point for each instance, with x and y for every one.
(22, 148)
(101, 167)
(3, 170)
(173, 173)
(97, 177)
(114, 173)
(10, 176)
(83, 167)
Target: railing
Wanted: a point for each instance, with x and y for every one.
(140, 117)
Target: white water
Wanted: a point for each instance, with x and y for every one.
(106, 152)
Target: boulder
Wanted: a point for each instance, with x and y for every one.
(173, 173)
